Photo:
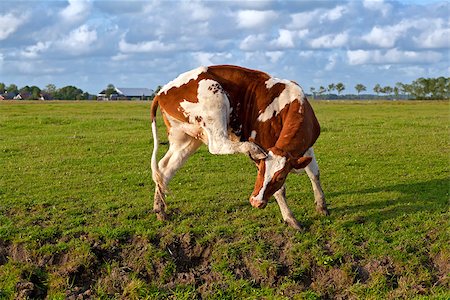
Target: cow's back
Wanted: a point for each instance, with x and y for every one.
(250, 93)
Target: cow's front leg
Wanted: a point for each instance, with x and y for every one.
(314, 175)
(287, 214)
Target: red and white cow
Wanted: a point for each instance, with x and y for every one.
(237, 110)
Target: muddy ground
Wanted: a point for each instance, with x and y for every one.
(165, 263)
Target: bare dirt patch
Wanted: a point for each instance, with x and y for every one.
(169, 261)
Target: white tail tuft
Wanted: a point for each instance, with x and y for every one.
(156, 174)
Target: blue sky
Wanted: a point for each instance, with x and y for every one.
(89, 43)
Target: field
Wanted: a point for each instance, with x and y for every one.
(76, 215)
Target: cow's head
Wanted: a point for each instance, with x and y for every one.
(272, 173)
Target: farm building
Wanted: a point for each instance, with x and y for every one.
(7, 96)
(127, 94)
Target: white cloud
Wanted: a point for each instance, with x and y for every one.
(435, 34)
(254, 19)
(306, 54)
(203, 58)
(34, 50)
(143, 47)
(379, 37)
(195, 11)
(209, 58)
(387, 36)
(79, 40)
(274, 56)
(307, 19)
(334, 14)
(392, 56)
(332, 61)
(9, 23)
(253, 42)
(412, 71)
(359, 57)
(158, 40)
(76, 10)
(378, 5)
(36, 68)
(330, 41)
(439, 38)
(120, 57)
(285, 39)
(302, 20)
(426, 33)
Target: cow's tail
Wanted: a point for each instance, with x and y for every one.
(156, 173)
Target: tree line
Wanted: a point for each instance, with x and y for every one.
(50, 92)
(420, 89)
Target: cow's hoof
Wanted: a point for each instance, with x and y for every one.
(257, 203)
(322, 210)
(161, 215)
(294, 224)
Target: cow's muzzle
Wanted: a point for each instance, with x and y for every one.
(257, 203)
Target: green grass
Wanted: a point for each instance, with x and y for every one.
(76, 209)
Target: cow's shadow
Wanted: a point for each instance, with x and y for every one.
(430, 196)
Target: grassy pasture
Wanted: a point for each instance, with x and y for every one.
(76, 220)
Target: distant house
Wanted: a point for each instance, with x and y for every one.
(7, 96)
(45, 96)
(127, 94)
(22, 96)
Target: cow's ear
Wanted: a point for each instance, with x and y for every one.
(302, 162)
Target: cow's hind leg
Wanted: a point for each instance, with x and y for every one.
(212, 114)
(314, 175)
(181, 147)
(287, 214)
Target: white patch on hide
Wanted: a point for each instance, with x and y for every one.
(273, 80)
(253, 134)
(290, 93)
(274, 163)
(183, 79)
(211, 113)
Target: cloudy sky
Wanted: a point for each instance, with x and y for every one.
(89, 43)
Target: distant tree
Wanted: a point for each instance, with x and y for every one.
(35, 92)
(377, 89)
(340, 87)
(25, 89)
(322, 90)
(396, 92)
(82, 96)
(50, 89)
(387, 90)
(331, 87)
(12, 88)
(158, 88)
(2, 87)
(430, 88)
(313, 91)
(110, 89)
(360, 88)
(399, 88)
(68, 93)
(442, 88)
